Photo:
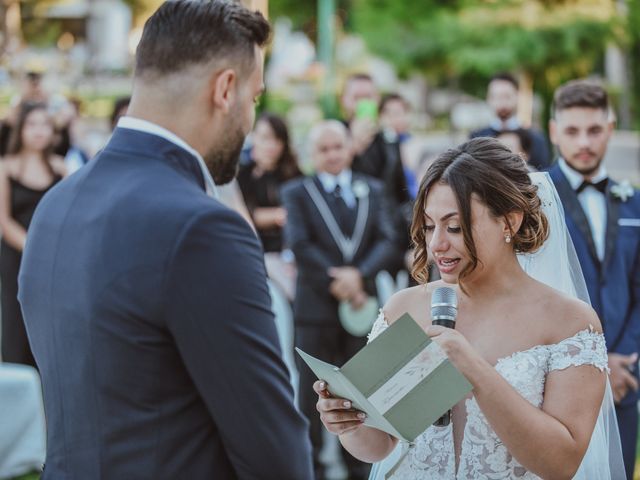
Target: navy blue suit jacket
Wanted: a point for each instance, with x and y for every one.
(614, 283)
(148, 312)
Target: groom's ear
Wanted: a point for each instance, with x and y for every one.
(512, 222)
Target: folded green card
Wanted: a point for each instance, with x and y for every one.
(402, 380)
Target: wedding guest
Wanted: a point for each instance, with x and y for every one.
(502, 97)
(535, 357)
(272, 164)
(340, 230)
(377, 153)
(518, 141)
(603, 218)
(27, 172)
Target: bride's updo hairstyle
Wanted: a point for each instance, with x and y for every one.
(499, 179)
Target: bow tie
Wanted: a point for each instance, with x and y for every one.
(601, 186)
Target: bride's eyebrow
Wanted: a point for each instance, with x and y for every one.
(445, 217)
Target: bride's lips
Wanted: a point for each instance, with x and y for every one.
(446, 264)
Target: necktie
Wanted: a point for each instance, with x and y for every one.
(343, 212)
(601, 186)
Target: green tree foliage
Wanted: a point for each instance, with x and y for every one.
(468, 41)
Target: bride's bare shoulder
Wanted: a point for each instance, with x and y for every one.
(415, 301)
(565, 316)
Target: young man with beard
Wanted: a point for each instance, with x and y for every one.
(603, 218)
(145, 299)
(502, 97)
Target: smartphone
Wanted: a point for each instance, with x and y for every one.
(367, 109)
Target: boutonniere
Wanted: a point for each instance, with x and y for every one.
(360, 189)
(622, 191)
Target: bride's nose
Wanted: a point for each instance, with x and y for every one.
(438, 243)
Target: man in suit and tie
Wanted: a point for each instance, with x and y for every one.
(603, 218)
(341, 233)
(502, 97)
(145, 299)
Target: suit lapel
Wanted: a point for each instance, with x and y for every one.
(612, 224)
(574, 210)
(363, 210)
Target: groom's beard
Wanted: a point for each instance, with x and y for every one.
(223, 162)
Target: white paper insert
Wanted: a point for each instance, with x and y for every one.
(407, 378)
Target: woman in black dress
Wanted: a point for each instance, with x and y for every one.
(27, 172)
(272, 164)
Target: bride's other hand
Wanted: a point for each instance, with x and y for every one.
(337, 414)
(621, 377)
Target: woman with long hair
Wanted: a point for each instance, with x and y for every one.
(272, 164)
(27, 172)
(534, 353)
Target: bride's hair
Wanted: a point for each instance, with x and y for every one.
(499, 179)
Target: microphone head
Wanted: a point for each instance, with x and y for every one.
(444, 304)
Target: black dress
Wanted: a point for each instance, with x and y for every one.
(15, 345)
(263, 191)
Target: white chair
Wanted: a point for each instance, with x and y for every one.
(22, 423)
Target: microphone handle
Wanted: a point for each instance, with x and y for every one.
(444, 322)
(445, 419)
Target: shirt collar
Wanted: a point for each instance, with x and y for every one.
(329, 181)
(576, 178)
(512, 123)
(145, 126)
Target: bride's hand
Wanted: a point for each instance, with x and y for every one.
(337, 414)
(455, 345)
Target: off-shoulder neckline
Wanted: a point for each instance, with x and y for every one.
(585, 331)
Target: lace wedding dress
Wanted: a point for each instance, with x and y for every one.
(483, 456)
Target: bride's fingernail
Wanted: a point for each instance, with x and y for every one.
(347, 404)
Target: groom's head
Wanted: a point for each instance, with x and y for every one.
(199, 72)
(581, 125)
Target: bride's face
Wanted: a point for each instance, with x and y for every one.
(445, 240)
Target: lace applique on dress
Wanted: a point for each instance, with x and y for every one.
(483, 456)
(584, 348)
(379, 326)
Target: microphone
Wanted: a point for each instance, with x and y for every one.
(444, 309)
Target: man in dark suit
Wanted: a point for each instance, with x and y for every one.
(502, 97)
(339, 228)
(603, 218)
(145, 299)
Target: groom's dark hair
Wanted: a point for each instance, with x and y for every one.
(182, 33)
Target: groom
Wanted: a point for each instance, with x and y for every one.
(603, 218)
(145, 300)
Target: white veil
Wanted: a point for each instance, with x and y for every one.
(557, 265)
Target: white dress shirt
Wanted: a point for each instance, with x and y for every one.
(343, 179)
(511, 123)
(148, 127)
(594, 203)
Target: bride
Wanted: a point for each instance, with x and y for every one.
(534, 353)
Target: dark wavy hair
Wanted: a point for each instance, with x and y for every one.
(187, 32)
(499, 178)
(287, 166)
